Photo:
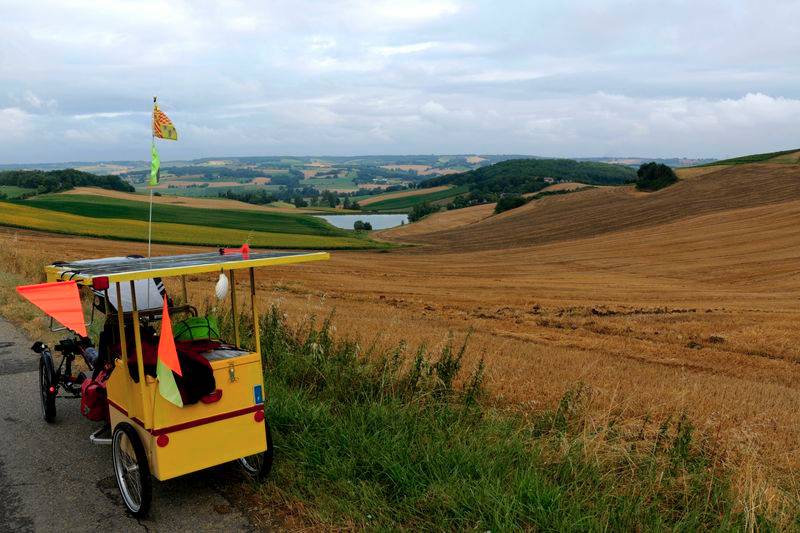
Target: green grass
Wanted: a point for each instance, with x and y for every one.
(389, 441)
(11, 191)
(753, 158)
(408, 202)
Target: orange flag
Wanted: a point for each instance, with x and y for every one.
(167, 353)
(59, 300)
(168, 361)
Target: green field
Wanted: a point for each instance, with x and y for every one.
(207, 192)
(125, 219)
(10, 191)
(330, 183)
(408, 202)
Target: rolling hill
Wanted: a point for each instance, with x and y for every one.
(527, 175)
(611, 209)
(786, 156)
(680, 304)
(118, 218)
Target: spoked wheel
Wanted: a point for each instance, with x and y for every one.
(47, 391)
(259, 465)
(131, 470)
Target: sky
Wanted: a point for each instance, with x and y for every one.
(367, 77)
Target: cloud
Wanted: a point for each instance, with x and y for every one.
(356, 76)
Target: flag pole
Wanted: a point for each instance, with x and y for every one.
(150, 219)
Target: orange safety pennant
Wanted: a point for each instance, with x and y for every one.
(59, 300)
(167, 353)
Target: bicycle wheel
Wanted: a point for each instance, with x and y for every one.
(258, 466)
(47, 388)
(131, 470)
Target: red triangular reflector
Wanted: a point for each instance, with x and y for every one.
(59, 300)
(166, 343)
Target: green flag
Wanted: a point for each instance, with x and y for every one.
(167, 386)
(155, 165)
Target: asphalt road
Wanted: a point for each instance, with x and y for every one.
(53, 479)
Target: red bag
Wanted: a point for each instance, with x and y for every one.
(94, 403)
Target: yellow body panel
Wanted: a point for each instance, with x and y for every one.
(217, 438)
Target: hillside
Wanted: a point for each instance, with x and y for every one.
(117, 218)
(786, 156)
(681, 304)
(527, 175)
(605, 210)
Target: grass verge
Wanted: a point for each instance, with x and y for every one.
(370, 440)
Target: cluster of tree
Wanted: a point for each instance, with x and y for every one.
(360, 225)
(190, 186)
(519, 176)
(300, 197)
(654, 176)
(511, 201)
(46, 181)
(422, 210)
(369, 174)
(467, 200)
(210, 173)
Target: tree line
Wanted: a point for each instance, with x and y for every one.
(48, 181)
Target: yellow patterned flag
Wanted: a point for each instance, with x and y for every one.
(162, 125)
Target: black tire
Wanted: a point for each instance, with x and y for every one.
(47, 379)
(131, 470)
(258, 466)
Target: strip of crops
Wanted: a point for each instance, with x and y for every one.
(23, 216)
(105, 207)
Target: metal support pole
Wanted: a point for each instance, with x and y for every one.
(123, 347)
(185, 291)
(256, 325)
(233, 308)
(137, 337)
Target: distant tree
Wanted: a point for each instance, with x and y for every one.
(354, 205)
(3, 195)
(330, 198)
(654, 176)
(346, 203)
(509, 202)
(299, 202)
(420, 211)
(360, 225)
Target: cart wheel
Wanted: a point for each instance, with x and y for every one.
(131, 470)
(46, 381)
(259, 465)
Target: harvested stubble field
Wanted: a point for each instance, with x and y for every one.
(683, 300)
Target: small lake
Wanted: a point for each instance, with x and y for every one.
(377, 221)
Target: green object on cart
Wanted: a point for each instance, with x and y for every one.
(197, 328)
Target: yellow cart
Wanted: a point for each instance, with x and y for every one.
(149, 435)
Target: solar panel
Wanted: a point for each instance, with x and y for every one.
(133, 268)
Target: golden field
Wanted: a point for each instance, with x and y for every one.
(686, 299)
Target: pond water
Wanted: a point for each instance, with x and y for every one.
(377, 221)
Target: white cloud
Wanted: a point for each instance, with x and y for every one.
(15, 124)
